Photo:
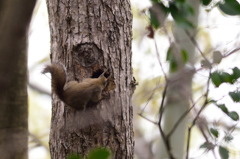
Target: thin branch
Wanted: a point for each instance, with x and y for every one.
(230, 132)
(150, 97)
(196, 45)
(231, 52)
(188, 140)
(166, 32)
(165, 140)
(206, 100)
(201, 128)
(182, 117)
(39, 89)
(148, 119)
(198, 114)
(185, 74)
(161, 106)
(37, 141)
(159, 61)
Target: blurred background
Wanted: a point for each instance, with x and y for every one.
(216, 31)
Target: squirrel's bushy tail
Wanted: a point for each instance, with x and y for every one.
(58, 78)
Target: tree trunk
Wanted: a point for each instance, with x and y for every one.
(179, 92)
(14, 20)
(89, 37)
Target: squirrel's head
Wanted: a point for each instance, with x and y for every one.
(103, 79)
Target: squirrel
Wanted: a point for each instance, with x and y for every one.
(74, 94)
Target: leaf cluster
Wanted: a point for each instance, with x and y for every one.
(223, 152)
(175, 61)
(232, 114)
(219, 77)
(98, 153)
(180, 10)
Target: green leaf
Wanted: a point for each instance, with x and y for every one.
(223, 152)
(230, 7)
(154, 21)
(180, 1)
(99, 153)
(172, 60)
(185, 24)
(206, 2)
(217, 57)
(155, 1)
(212, 101)
(187, 9)
(204, 145)
(169, 54)
(234, 115)
(214, 132)
(171, 57)
(226, 77)
(207, 145)
(74, 156)
(220, 77)
(235, 96)
(158, 14)
(236, 74)
(228, 138)
(173, 66)
(184, 56)
(223, 108)
(206, 64)
(216, 78)
(180, 12)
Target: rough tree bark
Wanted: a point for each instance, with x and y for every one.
(88, 37)
(14, 20)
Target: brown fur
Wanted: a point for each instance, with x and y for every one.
(74, 94)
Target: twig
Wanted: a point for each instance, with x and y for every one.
(196, 45)
(38, 89)
(166, 32)
(148, 119)
(185, 74)
(200, 126)
(159, 61)
(198, 114)
(149, 98)
(182, 117)
(231, 131)
(206, 100)
(161, 106)
(165, 140)
(231, 52)
(36, 140)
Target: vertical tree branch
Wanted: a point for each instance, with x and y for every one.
(198, 114)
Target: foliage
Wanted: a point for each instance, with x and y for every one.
(97, 153)
(219, 77)
(174, 61)
(178, 58)
(180, 10)
(230, 7)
